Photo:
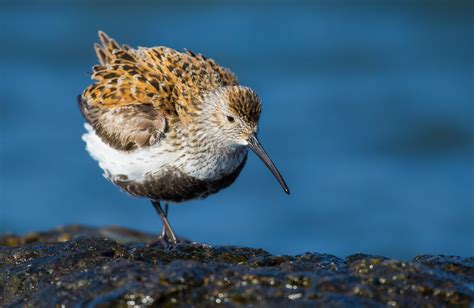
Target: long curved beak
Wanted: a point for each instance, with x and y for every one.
(255, 145)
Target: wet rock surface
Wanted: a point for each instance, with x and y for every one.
(117, 267)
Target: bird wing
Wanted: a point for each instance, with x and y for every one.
(137, 91)
(125, 128)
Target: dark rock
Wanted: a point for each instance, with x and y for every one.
(113, 266)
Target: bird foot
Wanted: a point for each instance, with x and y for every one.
(166, 241)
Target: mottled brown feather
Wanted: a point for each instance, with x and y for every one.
(245, 103)
(126, 128)
(167, 84)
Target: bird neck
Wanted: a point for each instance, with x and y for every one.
(206, 155)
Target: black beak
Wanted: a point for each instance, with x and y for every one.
(255, 145)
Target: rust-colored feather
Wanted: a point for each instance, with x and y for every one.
(171, 82)
(161, 76)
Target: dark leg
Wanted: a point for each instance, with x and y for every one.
(163, 230)
(164, 220)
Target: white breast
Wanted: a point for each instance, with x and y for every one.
(134, 164)
(140, 163)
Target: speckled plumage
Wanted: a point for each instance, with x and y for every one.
(167, 125)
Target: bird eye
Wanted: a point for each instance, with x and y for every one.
(230, 119)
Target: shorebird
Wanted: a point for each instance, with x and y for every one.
(169, 126)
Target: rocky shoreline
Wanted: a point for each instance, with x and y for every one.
(112, 266)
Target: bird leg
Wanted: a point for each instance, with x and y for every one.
(164, 229)
(167, 232)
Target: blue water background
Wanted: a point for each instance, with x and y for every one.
(368, 112)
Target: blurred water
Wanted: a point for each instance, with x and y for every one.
(368, 113)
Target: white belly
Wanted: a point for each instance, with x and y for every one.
(137, 165)
(134, 164)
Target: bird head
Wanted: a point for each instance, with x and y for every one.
(234, 115)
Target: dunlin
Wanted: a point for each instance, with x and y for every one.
(169, 126)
